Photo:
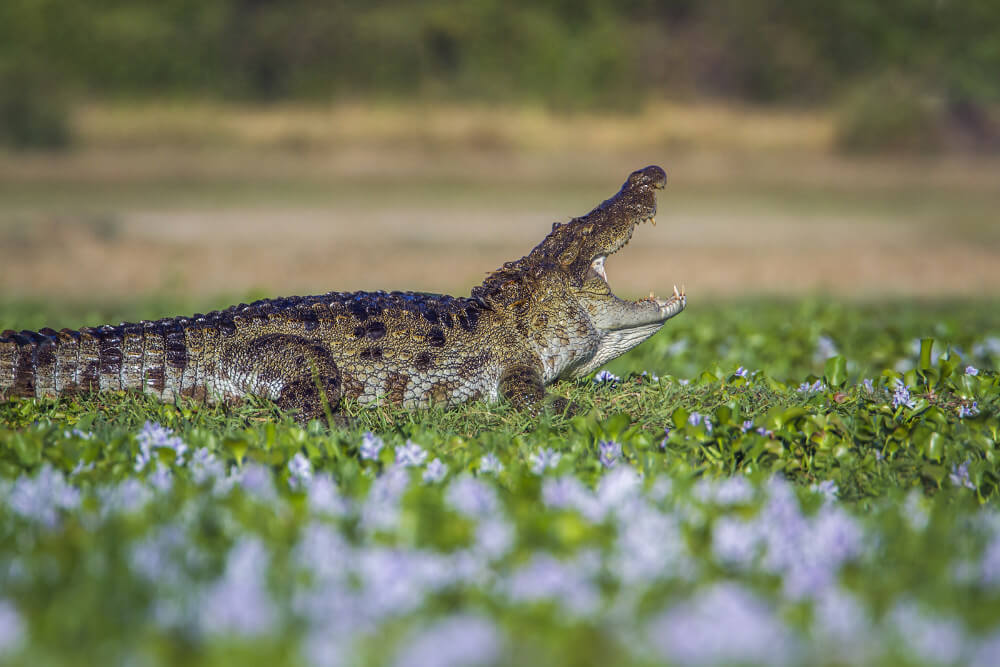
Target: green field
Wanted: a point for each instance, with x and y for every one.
(817, 476)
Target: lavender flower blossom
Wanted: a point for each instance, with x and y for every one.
(666, 436)
(40, 498)
(411, 454)
(610, 452)
(544, 459)
(435, 472)
(968, 410)
(868, 385)
(741, 372)
(325, 498)
(257, 481)
(239, 603)
(607, 378)
(746, 426)
(458, 641)
(959, 476)
(489, 463)
(204, 466)
(371, 446)
(734, 542)
(806, 388)
(825, 348)
(971, 370)
(929, 639)
(689, 634)
(161, 479)
(11, 628)
(545, 578)
(300, 469)
(152, 437)
(901, 395)
(828, 489)
(472, 498)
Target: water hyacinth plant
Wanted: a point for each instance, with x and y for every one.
(852, 522)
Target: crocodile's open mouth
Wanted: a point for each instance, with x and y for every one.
(597, 266)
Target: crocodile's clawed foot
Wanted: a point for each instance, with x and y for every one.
(562, 406)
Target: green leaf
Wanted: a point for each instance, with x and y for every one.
(926, 345)
(835, 371)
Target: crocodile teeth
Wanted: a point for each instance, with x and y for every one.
(598, 267)
(676, 293)
(653, 221)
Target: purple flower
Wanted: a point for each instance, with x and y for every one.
(607, 377)
(545, 578)
(565, 492)
(472, 498)
(40, 498)
(204, 466)
(928, 638)
(544, 459)
(301, 471)
(959, 476)
(827, 488)
(325, 498)
(610, 452)
(735, 542)
(901, 395)
(689, 633)
(239, 603)
(652, 376)
(11, 628)
(371, 445)
(741, 372)
(806, 388)
(435, 471)
(666, 435)
(458, 641)
(746, 426)
(825, 348)
(411, 454)
(869, 385)
(489, 463)
(968, 410)
(153, 437)
(694, 418)
(971, 370)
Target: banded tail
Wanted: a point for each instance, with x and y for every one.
(159, 358)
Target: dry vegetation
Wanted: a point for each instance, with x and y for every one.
(209, 199)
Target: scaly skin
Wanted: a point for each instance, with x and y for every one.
(548, 315)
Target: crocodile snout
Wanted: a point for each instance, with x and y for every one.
(652, 175)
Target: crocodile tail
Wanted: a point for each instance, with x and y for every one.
(56, 363)
(28, 363)
(159, 358)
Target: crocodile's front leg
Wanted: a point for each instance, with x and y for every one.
(521, 384)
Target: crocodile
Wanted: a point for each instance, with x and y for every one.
(549, 315)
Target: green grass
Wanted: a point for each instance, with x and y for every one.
(919, 479)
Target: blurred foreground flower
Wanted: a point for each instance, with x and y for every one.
(544, 459)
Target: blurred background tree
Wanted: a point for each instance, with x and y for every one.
(938, 60)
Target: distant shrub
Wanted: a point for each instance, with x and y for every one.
(33, 113)
(890, 114)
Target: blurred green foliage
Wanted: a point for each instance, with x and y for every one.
(878, 61)
(581, 54)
